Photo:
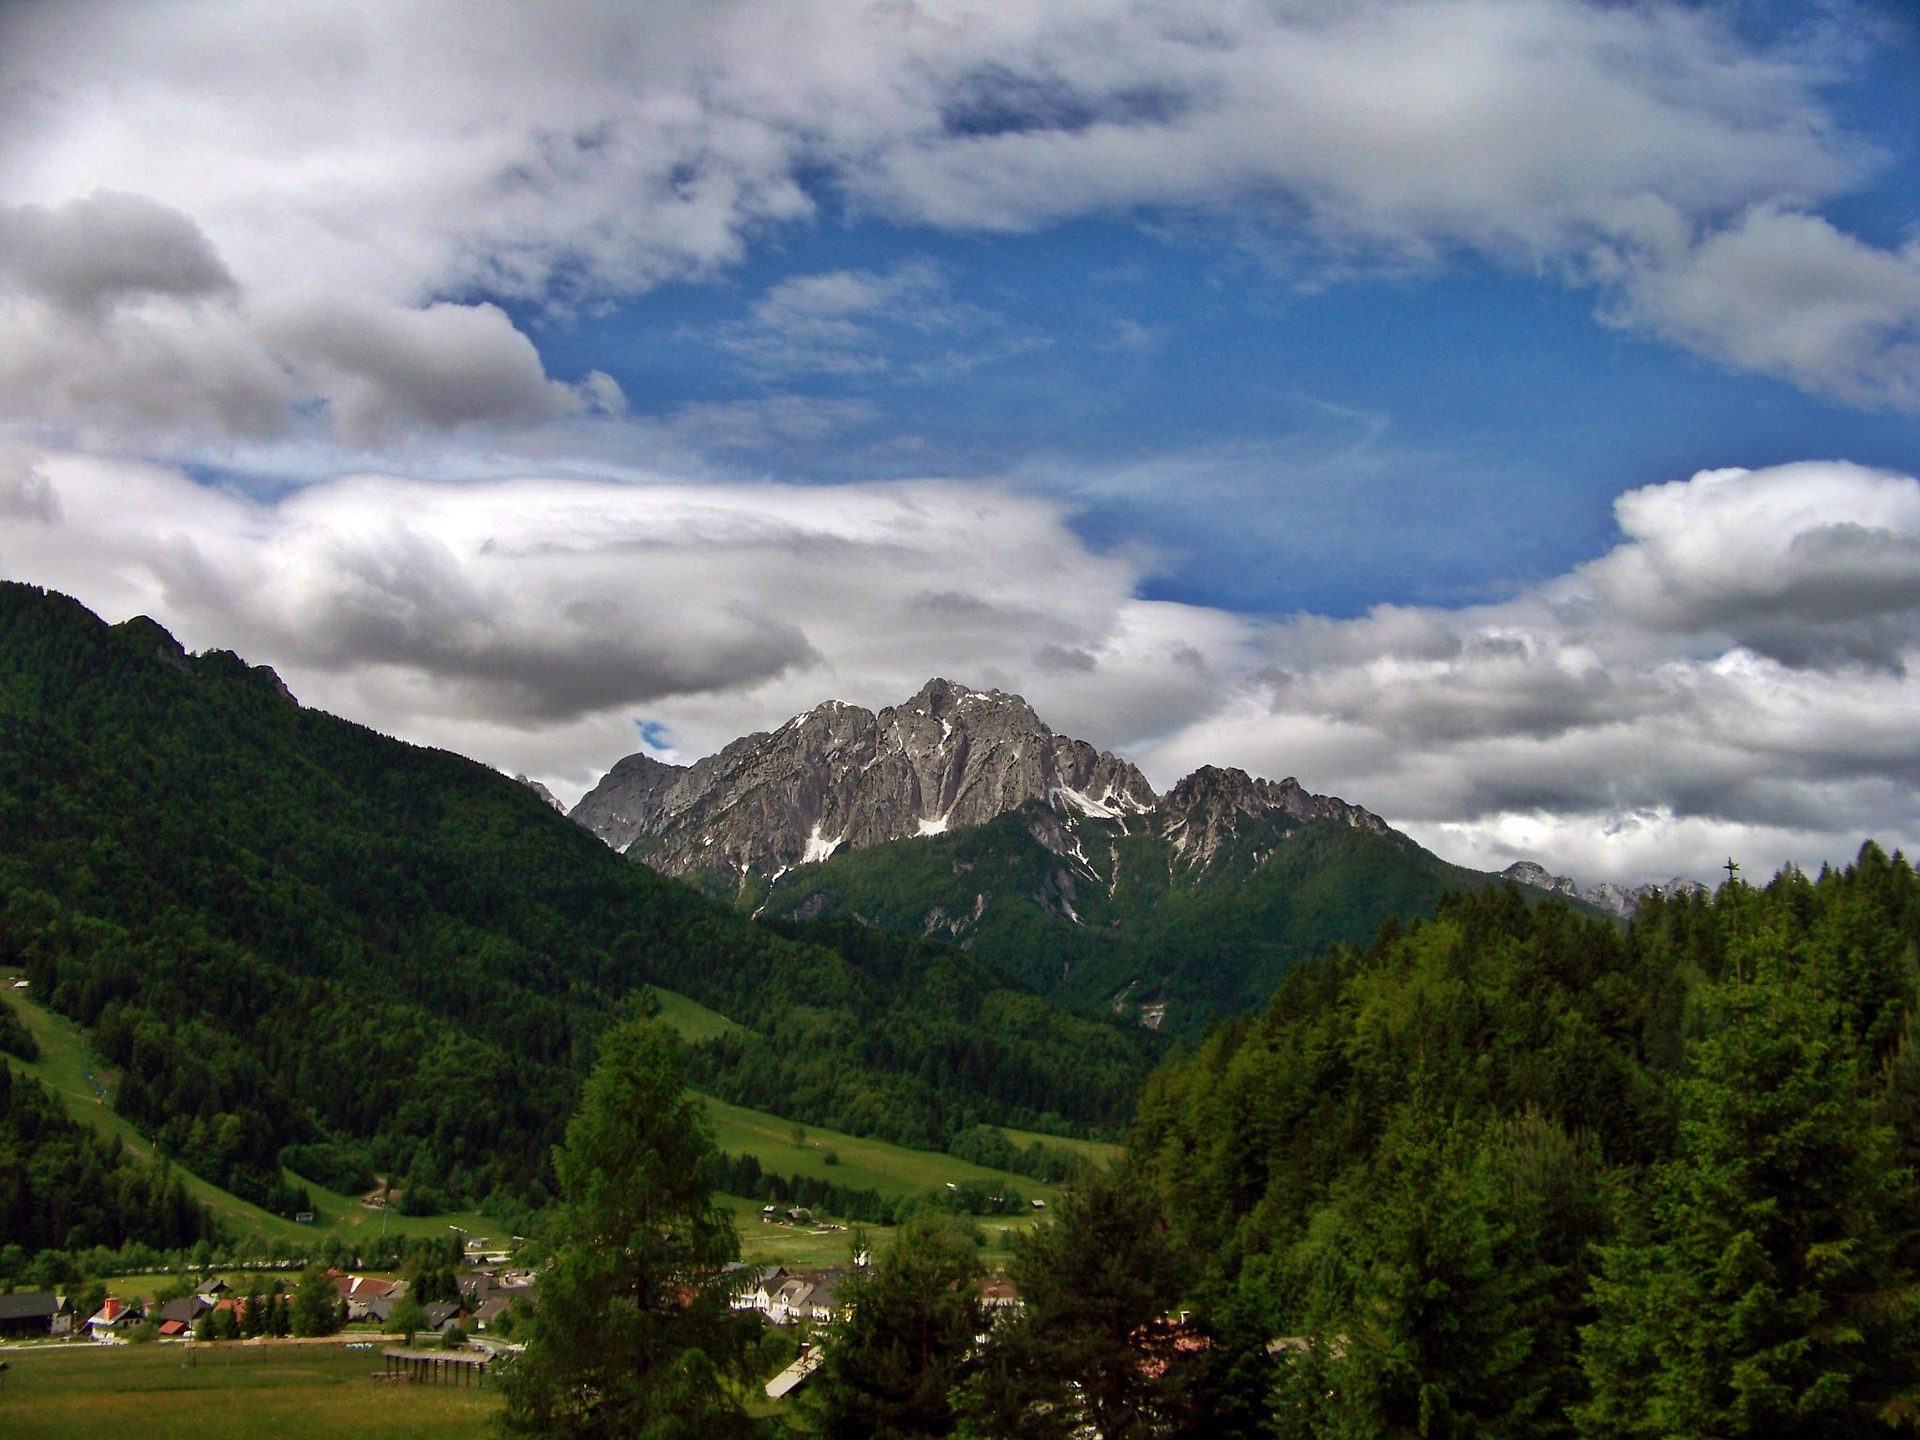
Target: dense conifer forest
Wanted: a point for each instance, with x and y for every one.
(1519, 1172)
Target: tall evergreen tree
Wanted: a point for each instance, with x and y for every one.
(893, 1364)
(633, 1322)
(1762, 1293)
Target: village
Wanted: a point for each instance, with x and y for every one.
(454, 1340)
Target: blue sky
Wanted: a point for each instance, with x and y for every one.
(1503, 413)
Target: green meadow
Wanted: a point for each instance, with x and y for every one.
(226, 1392)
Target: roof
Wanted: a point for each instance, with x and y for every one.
(32, 1304)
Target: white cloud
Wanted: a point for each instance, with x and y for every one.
(386, 372)
(365, 154)
(1738, 674)
(88, 254)
(1621, 721)
(118, 318)
(1782, 292)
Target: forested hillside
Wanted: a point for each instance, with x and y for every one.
(286, 931)
(1116, 913)
(1517, 1172)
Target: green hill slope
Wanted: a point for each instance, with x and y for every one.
(1108, 913)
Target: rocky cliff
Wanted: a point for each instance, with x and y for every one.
(840, 777)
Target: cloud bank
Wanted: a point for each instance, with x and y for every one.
(1718, 681)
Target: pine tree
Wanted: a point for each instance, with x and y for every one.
(892, 1365)
(632, 1323)
(1760, 1294)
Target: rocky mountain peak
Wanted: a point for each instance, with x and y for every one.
(1622, 900)
(1207, 809)
(950, 757)
(839, 775)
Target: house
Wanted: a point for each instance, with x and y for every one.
(998, 1293)
(789, 1379)
(756, 1290)
(802, 1298)
(826, 1298)
(362, 1293)
(443, 1315)
(184, 1311)
(36, 1312)
(114, 1318)
(490, 1310)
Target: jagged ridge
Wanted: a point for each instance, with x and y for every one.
(1621, 900)
(840, 777)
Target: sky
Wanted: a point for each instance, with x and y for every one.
(1504, 414)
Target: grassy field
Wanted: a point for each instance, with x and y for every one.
(1098, 1151)
(860, 1164)
(693, 1021)
(241, 1391)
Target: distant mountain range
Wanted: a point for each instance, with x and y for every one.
(1621, 900)
(960, 815)
(840, 777)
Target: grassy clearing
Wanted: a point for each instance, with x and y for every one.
(692, 1021)
(861, 1164)
(1099, 1152)
(241, 1391)
(85, 1087)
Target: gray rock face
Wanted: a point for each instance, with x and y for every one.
(839, 776)
(627, 798)
(1527, 872)
(1205, 810)
(543, 792)
(842, 776)
(1621, 900)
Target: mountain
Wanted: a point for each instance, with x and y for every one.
(842, 776)
(1614, 899)
(302, 942)
(959, 815)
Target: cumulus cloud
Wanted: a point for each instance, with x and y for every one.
(385, 372)
(116, 312)
(89, 254)
(1646, 149)
(1782, 292)
(1737, 674)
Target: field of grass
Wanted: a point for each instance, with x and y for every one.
(691, 1020)
(1099, 1152)
(860, 1164)
(242, 1391)
(68, 1069)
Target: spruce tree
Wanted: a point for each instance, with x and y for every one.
(633, 1322)
(1761, 1292)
